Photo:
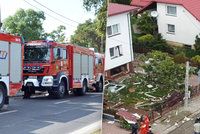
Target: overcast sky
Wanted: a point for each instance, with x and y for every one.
(72, 9)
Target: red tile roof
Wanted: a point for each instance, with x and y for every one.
(193, 6)
(114, 9)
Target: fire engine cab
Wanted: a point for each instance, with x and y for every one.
(10, 66)
(59, 68)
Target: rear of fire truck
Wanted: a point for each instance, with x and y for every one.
(10, 66)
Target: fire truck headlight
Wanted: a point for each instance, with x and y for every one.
(47, 81)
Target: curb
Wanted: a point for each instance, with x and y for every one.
(88, 129)
(108, 117)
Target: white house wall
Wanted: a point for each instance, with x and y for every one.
(124, 39)
(186, 25)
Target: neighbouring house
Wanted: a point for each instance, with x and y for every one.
(119, 51)
(178, 20)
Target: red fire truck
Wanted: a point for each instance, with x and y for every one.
(59, 68)
(10, 66)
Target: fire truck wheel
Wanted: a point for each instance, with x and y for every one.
(81, 91)
(2, 96)
(61, 89)
(99, 86)
(27, 93)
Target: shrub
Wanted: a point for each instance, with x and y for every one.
(180, 58)
(146, 39)
(196, 60)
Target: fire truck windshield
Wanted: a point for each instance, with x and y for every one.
(36, 53)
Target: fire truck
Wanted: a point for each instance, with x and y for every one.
(59, 68)
(10, 66)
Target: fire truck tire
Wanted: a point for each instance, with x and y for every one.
(61, 89)
(99, 86)
(81, 91)
(27, 93)
(2, 96)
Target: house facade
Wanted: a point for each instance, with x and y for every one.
(119, 51)
(178, 21)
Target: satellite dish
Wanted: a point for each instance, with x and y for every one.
(154, 14)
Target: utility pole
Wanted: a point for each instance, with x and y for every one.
(186, 85)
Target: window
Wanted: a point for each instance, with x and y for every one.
(171, 10)
(98, 61)
(116, 29)
(113, 30)
(112, 52)
(58, 53)
(64, 54)
(109, 30)
(116, 51)
(171, 29)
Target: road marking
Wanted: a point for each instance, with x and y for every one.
(94, 93)
(89, 129)
(65, 111)
(94, 96)
(60, 102)
(8, 112)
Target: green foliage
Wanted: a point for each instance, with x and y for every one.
(100, 7)
(124, 124)
(161, 72)
(180, 58)
(146, 39)
(189, 53)
(146, 24)
(26, 23)
(153, 42)
(100, 23)
(87, 36)
(126, 2)
(58, 35)
(90, 4)
(196, 60)
(197, 44)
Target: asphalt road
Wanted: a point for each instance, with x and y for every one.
(45, 115)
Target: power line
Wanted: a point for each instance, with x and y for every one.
(55, 12)
(49, 14)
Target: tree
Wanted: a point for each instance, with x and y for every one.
(86, 35)
(58, 35)
(126, 2)
(197, 44)
(161, 72)
(100, 7)
(96, 4)
(146, 24)
(26, 23)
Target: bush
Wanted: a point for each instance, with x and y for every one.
(180, 58)
(148, 42)
(146, 39)
(196, 60)
(189, 53)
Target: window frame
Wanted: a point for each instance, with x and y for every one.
(112, 33)
(55, 56)
(171, 14)
(171, 32)
(117, 51)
